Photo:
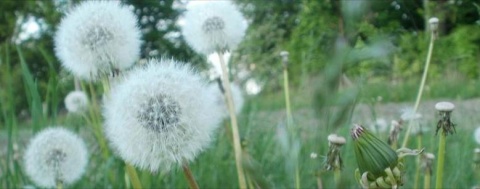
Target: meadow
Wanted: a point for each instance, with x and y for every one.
(282, 138)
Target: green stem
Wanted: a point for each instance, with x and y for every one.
(422, 85)
(426, 183)
(441, 160)
(417, 170)
(59, 185)
(337, 177)
(290, 120)
(132, 174)
(190, 178)
(287, 97)
(233, 118)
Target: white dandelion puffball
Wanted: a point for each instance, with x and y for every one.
(160, 115)
(380, 125)
(98, 37)
(408, 114)
(220, 98)
(55, 154)
(76, 102)
(476, 135)
(213, 26)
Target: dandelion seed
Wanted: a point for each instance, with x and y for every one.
(55, 155)
(380, 125)
(213, 26)
(76, 102)
(160, 115)
(476, 135)
(96, 38)
(313, 155)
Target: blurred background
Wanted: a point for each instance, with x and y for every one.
(389, 36)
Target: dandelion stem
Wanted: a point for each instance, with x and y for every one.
(132, 174)
(441, 160)
(76, 83)
(319, 182)
(337, 177)
(59, 184)
(289, 115)
(422, 85)
(417, 169)
(190, 178)
(426, 182)
(233, 118)
(287, 97)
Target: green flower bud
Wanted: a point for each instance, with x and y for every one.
(372, 154)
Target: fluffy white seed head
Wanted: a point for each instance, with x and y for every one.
(76, 102)
(55, 154)
(160, 115)
(430, 156)
(445, 106)
(476, 135)
(335, 139)
(476, 150)
(433, 23)
(380, 125)
(408, 114)
(213, 26)
(97, 37)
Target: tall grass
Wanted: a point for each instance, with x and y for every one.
(214, 168)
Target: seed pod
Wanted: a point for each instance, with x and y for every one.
(373, 155)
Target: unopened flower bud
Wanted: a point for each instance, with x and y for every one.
(373, 155)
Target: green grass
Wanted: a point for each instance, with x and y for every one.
(259, 123)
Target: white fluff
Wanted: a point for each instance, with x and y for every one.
(160, 115)
(476, 135)
(55, 153)
(408, 114)
(220, 98)
(76, 102)
(380, 125)
(97, 37)
(212, 26)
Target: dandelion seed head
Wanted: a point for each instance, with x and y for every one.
(433, 20)
(444, 106)
(476, 135)
(55, 154)
(335, 139)
(76, 102)
(170, 116)
(408, 114)
(97, 37)
(213, 26)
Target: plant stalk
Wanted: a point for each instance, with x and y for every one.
(422, 85)
(417, 169)
(189, 176)
(426, 182)
(337, 176)
(59, 184)
(441, 160)
(132, 174)
(233, 118)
